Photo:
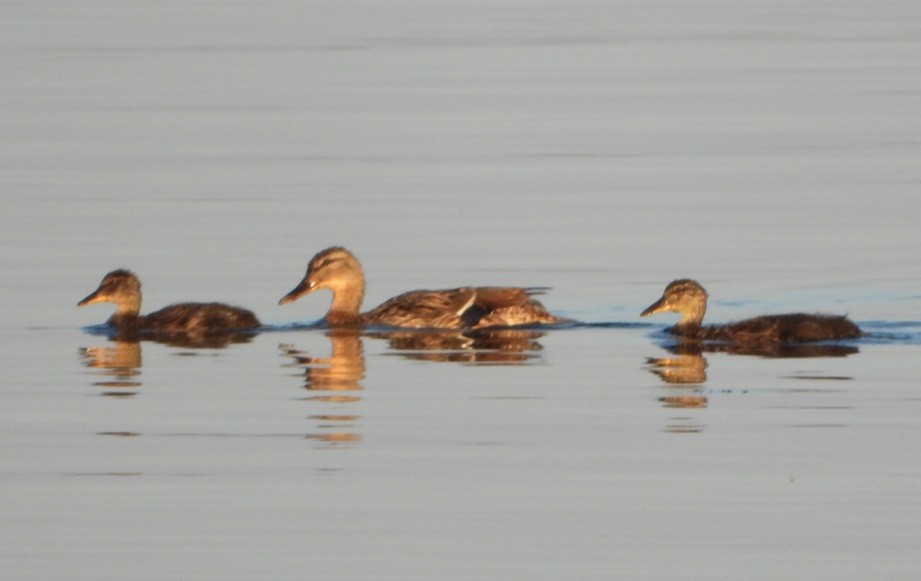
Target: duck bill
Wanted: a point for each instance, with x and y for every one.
(656, 307)
(305, 287)
(94, 297)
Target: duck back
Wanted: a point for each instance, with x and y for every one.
(199, 318)
(787, 328)
(441, 309)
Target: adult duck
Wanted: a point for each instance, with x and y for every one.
(337, 270)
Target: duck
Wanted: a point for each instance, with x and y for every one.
(688, 297)
(123, 288)
(339, 271)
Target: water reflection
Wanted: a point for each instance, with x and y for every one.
(339, 375)
(334, 381)
(194, 340)
(343, 370)
(779, 350)
(210, 341)
(685, 371)
(474, 347)
(119, 363)
(682, 368)
(684, 425)
(690, 366)
(121, 359)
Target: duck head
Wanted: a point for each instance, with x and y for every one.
(335, 269)
(120, 287)
(683, 296)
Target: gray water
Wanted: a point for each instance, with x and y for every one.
(768, 149)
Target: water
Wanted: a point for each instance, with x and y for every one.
(767, 149)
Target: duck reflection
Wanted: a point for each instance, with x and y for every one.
(119, 363)
(211, 341)
(339, 375)
(121, 358)
(494, 346)
(779, 350)
(335, 380)
(684, 373)
(343, 370)
(186, 339)
(686, 370)
(688, 364)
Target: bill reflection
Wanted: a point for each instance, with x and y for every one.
(119, 365)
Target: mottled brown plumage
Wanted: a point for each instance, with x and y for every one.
(338, 270)
(123, 288)
(688, 298)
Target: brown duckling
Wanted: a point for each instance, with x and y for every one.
(123, 288)
(688, 298)
(338, 270)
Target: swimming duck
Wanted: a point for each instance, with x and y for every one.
(123, 288)
(688, 298)
(338, 270)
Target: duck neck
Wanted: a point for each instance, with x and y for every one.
(346, 304)
(693, 315)
(125, 321)
(129, 308)
(127, 312)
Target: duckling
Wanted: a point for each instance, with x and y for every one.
(338, 270)
(123, 288)
(688, 298)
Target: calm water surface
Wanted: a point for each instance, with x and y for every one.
(768, 149)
